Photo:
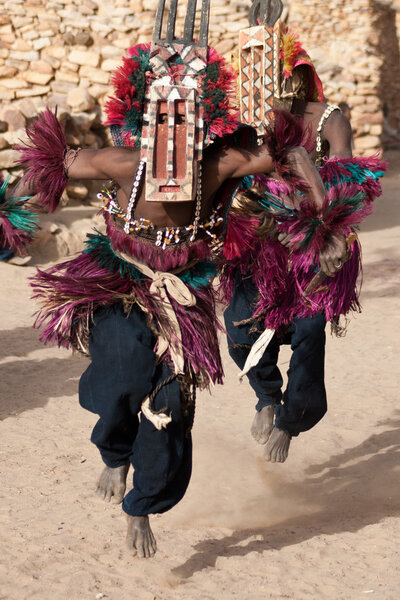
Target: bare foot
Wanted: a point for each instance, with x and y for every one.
(262, 423)
(140, 538)
(112, 483)
(277, 448)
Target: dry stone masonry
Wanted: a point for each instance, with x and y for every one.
(62, 53)
(355, 47)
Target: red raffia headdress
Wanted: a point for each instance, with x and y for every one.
(125, 110)
(292, 55)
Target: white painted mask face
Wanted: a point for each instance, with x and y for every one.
(173, 132)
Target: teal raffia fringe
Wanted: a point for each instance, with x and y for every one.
(362, 172)
(18, 224)
(99, 247)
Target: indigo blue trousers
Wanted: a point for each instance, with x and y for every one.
(5, 254)
(303, 403)
(123, 371)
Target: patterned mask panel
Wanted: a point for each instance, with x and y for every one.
(169, 143)
(172, 136)
(259, 73)
(259, 63)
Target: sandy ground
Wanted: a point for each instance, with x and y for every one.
(326, 524)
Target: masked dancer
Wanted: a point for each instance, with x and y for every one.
(269, 274)
(139, 300)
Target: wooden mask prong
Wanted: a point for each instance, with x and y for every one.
(188, 30)
(265, 12)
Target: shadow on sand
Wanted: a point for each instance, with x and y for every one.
(29, 383)
(19, 341)
(351, 490)
(382, 276)
(386, 208)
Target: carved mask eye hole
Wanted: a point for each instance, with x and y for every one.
(162, 118)
(180, 119)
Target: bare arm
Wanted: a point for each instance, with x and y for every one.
(22, 189)
(302, 166)
(239, 162)
(228, 162)
(339, 135)
(108, 163)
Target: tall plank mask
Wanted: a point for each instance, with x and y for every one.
(173, 96)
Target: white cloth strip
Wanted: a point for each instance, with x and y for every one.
(256, 351)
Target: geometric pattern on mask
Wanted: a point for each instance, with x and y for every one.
(193, 59)
(259, 73)
(184, 84)
(169, 95)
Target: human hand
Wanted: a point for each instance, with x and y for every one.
(333, 255)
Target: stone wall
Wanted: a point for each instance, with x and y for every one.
(355, 48)
(384, 40)
(62, 53)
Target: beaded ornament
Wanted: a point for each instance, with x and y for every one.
(162, 236)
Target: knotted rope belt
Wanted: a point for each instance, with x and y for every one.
(165, 285)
